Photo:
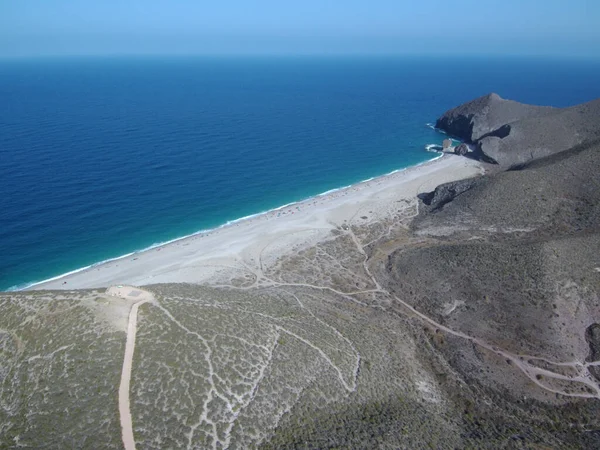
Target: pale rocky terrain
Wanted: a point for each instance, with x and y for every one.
(466, 318)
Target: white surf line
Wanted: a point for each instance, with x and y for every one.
(124, 405)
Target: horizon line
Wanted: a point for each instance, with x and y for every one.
(424, 55)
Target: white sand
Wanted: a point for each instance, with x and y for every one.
(264, 238)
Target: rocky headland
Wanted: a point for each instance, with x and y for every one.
(510, 133)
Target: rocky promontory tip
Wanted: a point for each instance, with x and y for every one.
(512, 133)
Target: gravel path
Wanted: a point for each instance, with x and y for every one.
(141, 297)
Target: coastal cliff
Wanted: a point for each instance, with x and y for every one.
(510, 133)
(477, 118)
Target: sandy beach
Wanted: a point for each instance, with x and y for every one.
(205, 258)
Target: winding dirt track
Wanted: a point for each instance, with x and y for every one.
(129, 293)
(522, 362)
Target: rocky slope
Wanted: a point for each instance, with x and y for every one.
(512, 259)
(511, 133)
(486, 114)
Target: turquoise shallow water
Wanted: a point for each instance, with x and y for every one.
(102, 157)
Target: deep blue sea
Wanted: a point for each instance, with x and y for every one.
(100, 157)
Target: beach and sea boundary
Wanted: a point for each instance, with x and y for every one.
(124, 186)
(200, 257)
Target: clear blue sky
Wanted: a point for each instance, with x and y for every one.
(57, 27)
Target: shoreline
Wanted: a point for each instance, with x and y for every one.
(84, 277)
(34, 284)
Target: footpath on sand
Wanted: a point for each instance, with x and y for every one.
(139, 296)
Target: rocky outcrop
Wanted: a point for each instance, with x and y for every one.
(592, 336)
(462, 149)
(537, 137)
(445, 193)
(511, 133)
(484, 115)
